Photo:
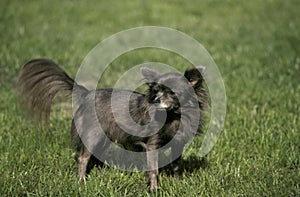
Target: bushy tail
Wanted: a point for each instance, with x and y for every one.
(39, 81)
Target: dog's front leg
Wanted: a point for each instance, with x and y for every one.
(152, 162)
(176, 164)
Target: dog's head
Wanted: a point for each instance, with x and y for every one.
(169, 90)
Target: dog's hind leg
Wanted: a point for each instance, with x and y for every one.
(86, 162)
(82, 154)
(83, 161)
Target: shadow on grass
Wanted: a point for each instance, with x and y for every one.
(193, 163)
(189, 165)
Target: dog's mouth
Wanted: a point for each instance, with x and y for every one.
(165, 106)
(162, 106)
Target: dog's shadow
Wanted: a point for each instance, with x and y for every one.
(193, 163)
(188, 165)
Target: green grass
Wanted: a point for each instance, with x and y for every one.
(256, 45)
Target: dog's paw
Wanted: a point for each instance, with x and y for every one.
(82, 180)
(153, 188)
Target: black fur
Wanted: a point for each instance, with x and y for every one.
(196, 80)
(168, 101)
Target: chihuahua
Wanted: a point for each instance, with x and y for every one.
(168, 114)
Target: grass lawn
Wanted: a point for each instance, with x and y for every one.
(256, 45)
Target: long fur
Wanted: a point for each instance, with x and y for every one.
(39, 82)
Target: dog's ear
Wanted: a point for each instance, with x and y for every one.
(149, 74)
(195, 75)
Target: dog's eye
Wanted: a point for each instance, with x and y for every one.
(151, 85)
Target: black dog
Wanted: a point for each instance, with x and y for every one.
(170, 105)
